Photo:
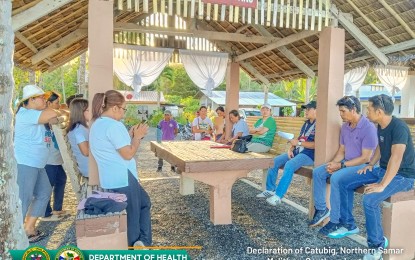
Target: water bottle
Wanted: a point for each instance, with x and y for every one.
(159, 134)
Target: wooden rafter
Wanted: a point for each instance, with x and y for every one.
(284, 41)
(60, 45)
(209, 35)
(359, 36)
(26, 42)
(39, 10)
(397, 17)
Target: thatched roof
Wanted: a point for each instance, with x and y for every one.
(388, 24)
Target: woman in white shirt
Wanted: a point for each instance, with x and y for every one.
(114, 148)
(31, 152)
(78, 133)
(202, 126)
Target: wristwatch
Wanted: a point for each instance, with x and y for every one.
(342, 165)
(299, 143)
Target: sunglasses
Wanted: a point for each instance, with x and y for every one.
(381, 102)
(350, 99)
(125, 110)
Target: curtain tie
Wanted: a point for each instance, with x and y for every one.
(210, 84)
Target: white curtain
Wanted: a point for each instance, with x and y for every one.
(392, 77)
(353, 80)
(139, 66)
(206, 69)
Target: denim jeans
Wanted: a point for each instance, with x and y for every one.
(138, 212)
(57, 178)
(371, 202)
(291, 165)
(320, 176)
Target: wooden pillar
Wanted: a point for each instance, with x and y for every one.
(330, 84)
(407, 97)
(100, 43)
(232, 93)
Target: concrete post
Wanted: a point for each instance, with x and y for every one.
(232, 93)
(330, 85)
(100, 43)
(407, 97)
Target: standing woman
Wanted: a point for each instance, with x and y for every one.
(31, 152)
(78, 133)
(56, 173)
(114, 149)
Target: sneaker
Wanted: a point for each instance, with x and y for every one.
(173, 169)
(376, 253)
(319, 216)
(328, 228)
(344, 231)
(159, 169)
(138, 245)
(265, 194)
(51, 218)
(274, 200)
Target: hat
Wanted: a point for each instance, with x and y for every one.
(167, 112)
(311, 104)
(31, 91)
(266, 105)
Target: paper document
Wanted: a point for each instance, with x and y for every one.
(285, 135)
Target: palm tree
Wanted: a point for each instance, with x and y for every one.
(301, 90)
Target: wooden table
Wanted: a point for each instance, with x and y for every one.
(219, 168)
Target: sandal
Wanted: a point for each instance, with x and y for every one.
(36, 237)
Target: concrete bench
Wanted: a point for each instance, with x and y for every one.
(398, 210)
(93, 232)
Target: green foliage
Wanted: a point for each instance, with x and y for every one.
(131, 117)
(173, 99)
(155, 118)
(287, 111)
(191, 104)
(371, 77)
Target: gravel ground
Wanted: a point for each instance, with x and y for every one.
(184, 220)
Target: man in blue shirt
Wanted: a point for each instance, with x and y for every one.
(300, 153)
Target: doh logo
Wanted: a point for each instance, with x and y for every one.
(36, 253)
(69, 253)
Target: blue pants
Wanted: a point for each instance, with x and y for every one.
(320, 176)
(291, 165)
(34, 190)
(371, 202)
(138, 212)
(57, 178)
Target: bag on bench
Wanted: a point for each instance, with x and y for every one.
(239, 146)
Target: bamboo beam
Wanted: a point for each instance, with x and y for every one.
(26, 42)
(37, 11)
(398, 18)
(210, 35)
(59, 45)
(284, 41)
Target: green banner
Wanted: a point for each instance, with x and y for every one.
(73, 253)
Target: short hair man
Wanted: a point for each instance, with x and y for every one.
(357, 143)
(169, 130)
(300, 153)
(395, 174)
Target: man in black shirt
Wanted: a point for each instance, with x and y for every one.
(395, 174)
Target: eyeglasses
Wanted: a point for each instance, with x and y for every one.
(125, 110)
(350, 99)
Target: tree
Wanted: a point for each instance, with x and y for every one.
(12, 233)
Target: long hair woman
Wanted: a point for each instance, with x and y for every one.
(78, 133)
(114, 148)
(56, 173)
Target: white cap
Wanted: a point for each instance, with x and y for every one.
(266, 105)
(31, 91)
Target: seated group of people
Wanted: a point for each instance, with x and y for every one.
(381, 158)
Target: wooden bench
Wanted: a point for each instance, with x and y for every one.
(399, 209)
(93, 232)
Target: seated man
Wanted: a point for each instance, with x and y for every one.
(395, 174)
(263, 132)
(357, 144)
(300, 153)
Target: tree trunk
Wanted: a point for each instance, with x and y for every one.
(32, 77)
(81, 78)
(11, 221)
(307, 90)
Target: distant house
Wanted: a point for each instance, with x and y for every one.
(246, 100)
(367, 91)
(146, 101)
